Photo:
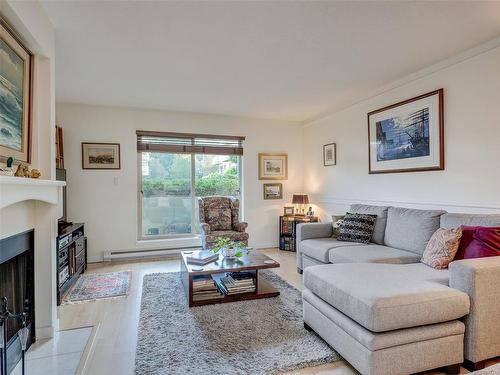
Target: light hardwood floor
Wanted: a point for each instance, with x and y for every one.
(114, 348)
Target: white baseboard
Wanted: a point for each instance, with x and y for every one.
(109, 256)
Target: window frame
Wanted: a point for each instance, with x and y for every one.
(142, 237)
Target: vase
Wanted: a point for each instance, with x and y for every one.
(229, 252)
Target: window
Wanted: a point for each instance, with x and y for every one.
(176, 169)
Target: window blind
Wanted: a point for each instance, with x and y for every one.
(148, 141)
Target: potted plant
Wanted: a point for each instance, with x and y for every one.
(228, 248)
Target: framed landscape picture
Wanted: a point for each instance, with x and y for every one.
(100, 155)
(15, 97)
(273, 166)
(407, 136)
(273, 191)
(329, 154)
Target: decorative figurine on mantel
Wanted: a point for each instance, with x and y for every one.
(22, 171)
(8, 169)
(35, 173)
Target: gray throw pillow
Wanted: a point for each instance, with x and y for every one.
(336, 222)
(357, 228)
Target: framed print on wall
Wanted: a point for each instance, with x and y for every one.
(273, 191)
(273, 166)
(407, 136)
(16, 67)
(100, 155)
(329, 154)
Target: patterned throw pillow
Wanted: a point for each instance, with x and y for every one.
(357, 228)
(442, 248)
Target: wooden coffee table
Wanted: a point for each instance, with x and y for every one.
(254, 261)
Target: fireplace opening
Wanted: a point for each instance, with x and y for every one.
(17, 285)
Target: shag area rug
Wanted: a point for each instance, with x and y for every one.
(92, 286)
(249, 337)
(492, 370)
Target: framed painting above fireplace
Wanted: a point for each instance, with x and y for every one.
(407, 136)
(15, 96)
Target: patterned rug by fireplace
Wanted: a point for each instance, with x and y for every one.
(249, 337)
(93, 286)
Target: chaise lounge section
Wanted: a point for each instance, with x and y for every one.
(386, 312)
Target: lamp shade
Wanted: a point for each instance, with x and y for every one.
(300, 199)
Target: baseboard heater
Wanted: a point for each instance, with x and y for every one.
(109, 256)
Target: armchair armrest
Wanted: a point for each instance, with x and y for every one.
(307, 231)
(480, 279)
(205, 228)
(240, 227)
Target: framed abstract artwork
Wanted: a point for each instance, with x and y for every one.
(329, 154)
(273, 191)
(407, 136)
(100, 155)
(16, 71)
(273, 166)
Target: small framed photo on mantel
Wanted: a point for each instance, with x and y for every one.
(100, 155)
(330, 154)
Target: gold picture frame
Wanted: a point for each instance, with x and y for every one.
(16, 72)
(273, 166)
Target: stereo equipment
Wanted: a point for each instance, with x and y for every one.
(63, 275)
(64, 241)
(71, 257)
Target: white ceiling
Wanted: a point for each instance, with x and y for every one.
(283, 60)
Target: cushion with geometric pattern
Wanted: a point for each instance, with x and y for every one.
(357, 228)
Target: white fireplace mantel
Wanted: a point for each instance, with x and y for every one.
(19, 189)
(47, 208)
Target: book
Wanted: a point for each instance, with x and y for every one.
(202, 257)
(228, 285)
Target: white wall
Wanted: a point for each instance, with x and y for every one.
(471, 179)
(33, 26)
(110, 210)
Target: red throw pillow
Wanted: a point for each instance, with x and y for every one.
(467, 237)
(485, 243)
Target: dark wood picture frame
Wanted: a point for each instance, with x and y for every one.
(334, 154)
(288, 211)
(279, 185)
(84, 144)
(23, 156)
(441, 166)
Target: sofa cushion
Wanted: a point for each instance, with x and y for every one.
(456, 220)
(318, 248)
(485, 243)
(357, 228)
(231, 234)
(442, 248)
(376, 341)
(381, 212)
(372, 254)
(384, 297)
(410, 229)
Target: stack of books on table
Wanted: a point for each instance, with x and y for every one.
(236, 283)
(204, 288)
(202, 257)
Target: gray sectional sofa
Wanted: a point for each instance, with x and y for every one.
(387, 313)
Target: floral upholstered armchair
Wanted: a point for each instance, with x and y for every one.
(219, 217)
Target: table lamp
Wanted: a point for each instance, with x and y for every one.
(300, 200)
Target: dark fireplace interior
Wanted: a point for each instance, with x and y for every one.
(17, 285)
